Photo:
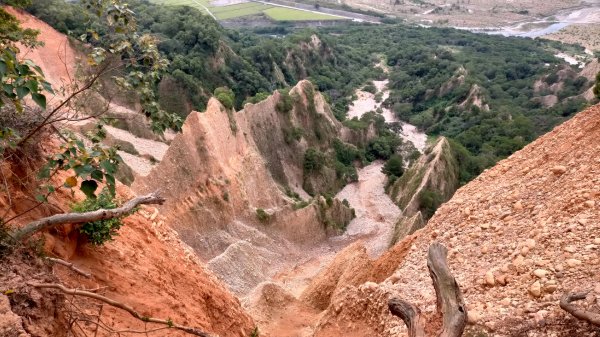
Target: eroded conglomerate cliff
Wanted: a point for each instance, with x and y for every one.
(225, 179)
(519, 236)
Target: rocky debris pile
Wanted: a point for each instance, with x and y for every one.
(521, 234)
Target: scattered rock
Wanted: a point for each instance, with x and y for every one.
(570, 249)
(573, 262)
(558, 170)
(474, 316)
(535, 289)
(489, 278)
(518, 205)
(540, 273)
(530, 243)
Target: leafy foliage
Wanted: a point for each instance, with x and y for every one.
(92, 166)
(262, 215)
(314, 160)
(101, 231)
(225, 96)
(394, 167)
(429, 202)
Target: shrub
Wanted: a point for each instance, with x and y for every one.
(429, 201)
(259, 97)
(285, 102)
(262, 215)
(382, 147)
(394, 167)
(101, 231)
(225, 96)
(314, 160)
(370, 88)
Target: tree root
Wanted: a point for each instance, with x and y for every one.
(123, 306)
(70, 266)
(566, 303)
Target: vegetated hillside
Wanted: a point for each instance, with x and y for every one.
(519, 236)
(147, 266)
(477, 89)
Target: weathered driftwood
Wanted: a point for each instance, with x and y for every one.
(450, 303)
(101, 214)
(566, 303)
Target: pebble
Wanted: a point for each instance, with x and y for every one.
(597, 241)
(540, 273)
(559, 169)
(474, 316)
(518, 205)
(535, 289)
(590, 203)
(530, 243)
(570, 249)
(489, 278)
(573, 262)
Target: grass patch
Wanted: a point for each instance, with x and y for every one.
(290, 14)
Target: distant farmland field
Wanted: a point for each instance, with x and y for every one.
(249, 8)
(290, 14)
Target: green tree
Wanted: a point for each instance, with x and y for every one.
(394, 167)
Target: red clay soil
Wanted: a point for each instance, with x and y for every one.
(56, 58)
(146, 267)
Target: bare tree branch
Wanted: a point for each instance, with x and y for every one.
(45, 122)
(449, 299)
(410, 314)
(566, 303)
(101, 214)
(69, 265)
(116, 304)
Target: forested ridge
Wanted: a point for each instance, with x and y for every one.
(476, 89)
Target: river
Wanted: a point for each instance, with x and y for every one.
(546, 26)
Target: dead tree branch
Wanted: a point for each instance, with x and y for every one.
(566, 303)
(123, 306)
(410, 314)
(69, 265)
(450, 302)
(101, 214)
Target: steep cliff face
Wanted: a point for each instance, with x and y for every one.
(226, 177)
(425, 185)
(519, 236)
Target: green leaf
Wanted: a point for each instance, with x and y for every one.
(109, 167)
(41, 198)
(83, 170)
(48, 87)
(44, 172)
(110, 182)
(22, 92)
(39, 99)
(88, 187)
(97, 175)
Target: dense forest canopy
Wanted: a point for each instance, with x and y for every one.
(476, 89)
